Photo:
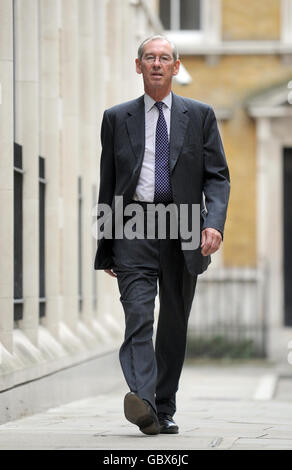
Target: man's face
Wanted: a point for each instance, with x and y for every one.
(157, 65)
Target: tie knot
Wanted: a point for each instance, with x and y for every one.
(159, 105)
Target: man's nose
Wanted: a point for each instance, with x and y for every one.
(156, 62)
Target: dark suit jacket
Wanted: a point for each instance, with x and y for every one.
(197, 164)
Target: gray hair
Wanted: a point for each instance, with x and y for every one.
(153, 38)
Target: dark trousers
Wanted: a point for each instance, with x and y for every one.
(140, 265)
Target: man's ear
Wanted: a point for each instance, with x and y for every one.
(138, 66)
(176, 67)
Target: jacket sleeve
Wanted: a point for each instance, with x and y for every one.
(216, 185)
(107, 163)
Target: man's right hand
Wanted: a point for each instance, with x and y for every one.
(110, 272)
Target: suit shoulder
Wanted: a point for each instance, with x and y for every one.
(198, 109)
(196, 104)
(122, 108)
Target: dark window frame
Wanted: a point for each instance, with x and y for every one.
(42, 237)
(18, 233)
(80, 284)
(287, 230)
(94, 244)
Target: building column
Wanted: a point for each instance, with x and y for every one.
(114, 47)
(69, 161)
(286, 17)
(50, 15)
(101, 77)
(27, 135)
(211, 14)
(87, 106)
(6, 173)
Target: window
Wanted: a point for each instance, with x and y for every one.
(193, 25)
(42, 186)
(18, 233)
(180, 15)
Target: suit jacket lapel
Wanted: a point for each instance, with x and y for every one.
(178, 127)
(136, 129)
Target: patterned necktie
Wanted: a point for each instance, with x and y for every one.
(162, 190)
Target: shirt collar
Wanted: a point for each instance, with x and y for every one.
(149, 102)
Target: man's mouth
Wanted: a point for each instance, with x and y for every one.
(157, 74)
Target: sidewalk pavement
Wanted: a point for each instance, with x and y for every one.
(219, 406)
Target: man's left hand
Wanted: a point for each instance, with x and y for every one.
(211, 241)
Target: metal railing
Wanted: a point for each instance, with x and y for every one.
(228, 316)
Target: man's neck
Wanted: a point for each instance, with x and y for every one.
(157, 95)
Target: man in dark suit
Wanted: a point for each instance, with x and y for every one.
(159, 149)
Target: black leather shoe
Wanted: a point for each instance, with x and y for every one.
(141, 413)
(167, 424)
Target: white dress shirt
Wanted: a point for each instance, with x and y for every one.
(146, 182)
